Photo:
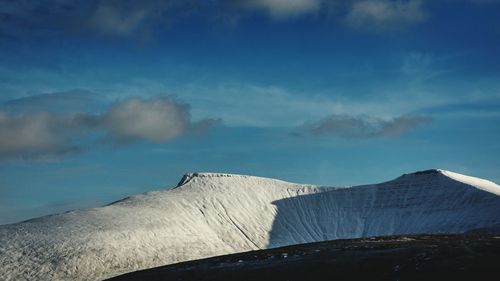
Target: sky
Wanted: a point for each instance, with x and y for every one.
(102, 99)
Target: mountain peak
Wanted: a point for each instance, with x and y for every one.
(427, 172)
(190, 176)
(479, 183)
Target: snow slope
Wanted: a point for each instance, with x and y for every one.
(215, 214)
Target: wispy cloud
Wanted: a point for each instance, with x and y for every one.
(241, 104)
(385, 14)
(346, 126)
(72, 100)
(111, 17)
(125, 17)
(44, 133)
(420, 67)
(278, 9)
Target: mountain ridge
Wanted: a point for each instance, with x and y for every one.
(479, 183)
(212, 214)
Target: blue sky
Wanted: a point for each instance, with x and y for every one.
(104, 99)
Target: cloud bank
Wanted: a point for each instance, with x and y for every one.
(345, 126)
(35, 134)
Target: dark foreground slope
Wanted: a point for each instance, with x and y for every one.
(412, 257)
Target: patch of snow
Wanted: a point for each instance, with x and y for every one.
(485, 185)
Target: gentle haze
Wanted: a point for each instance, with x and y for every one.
(104, 99)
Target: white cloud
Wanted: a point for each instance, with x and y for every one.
(385, 14)
(281, 9)
(155, 120)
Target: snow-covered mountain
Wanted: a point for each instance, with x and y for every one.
(215, 214)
